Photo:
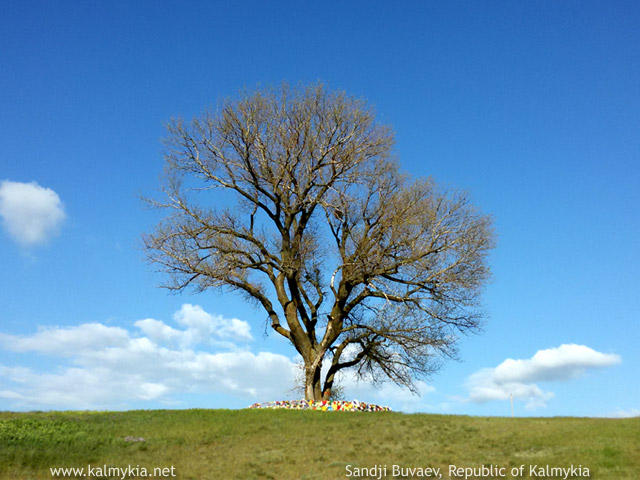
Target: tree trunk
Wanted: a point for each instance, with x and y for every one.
(326, 391)
(313, 383)
(326, 394)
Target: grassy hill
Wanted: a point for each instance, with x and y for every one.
(280, 445)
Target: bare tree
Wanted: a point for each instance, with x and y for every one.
(354, 263)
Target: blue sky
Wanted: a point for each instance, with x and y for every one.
(533, 108)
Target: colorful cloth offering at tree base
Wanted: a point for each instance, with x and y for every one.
(324, 405)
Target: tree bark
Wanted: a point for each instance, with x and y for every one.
(326, 393)
(313, 383)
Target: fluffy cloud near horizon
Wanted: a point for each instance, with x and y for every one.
(31, 214)
(519, 377)
(108, 366)
(630, 413)
(101, 366)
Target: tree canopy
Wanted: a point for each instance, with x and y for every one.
(356, 264)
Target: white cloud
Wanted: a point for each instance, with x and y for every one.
(518, 377)
(30, 213)
(67, 341)
(109, 366)
(561, 363)
(77, 387)
(632, 412)
(203, 325)
(121, 375)
(160, 332)
(200, 328)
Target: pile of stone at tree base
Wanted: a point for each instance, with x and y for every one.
(323, 405)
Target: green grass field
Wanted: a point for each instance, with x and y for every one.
(280, 445)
